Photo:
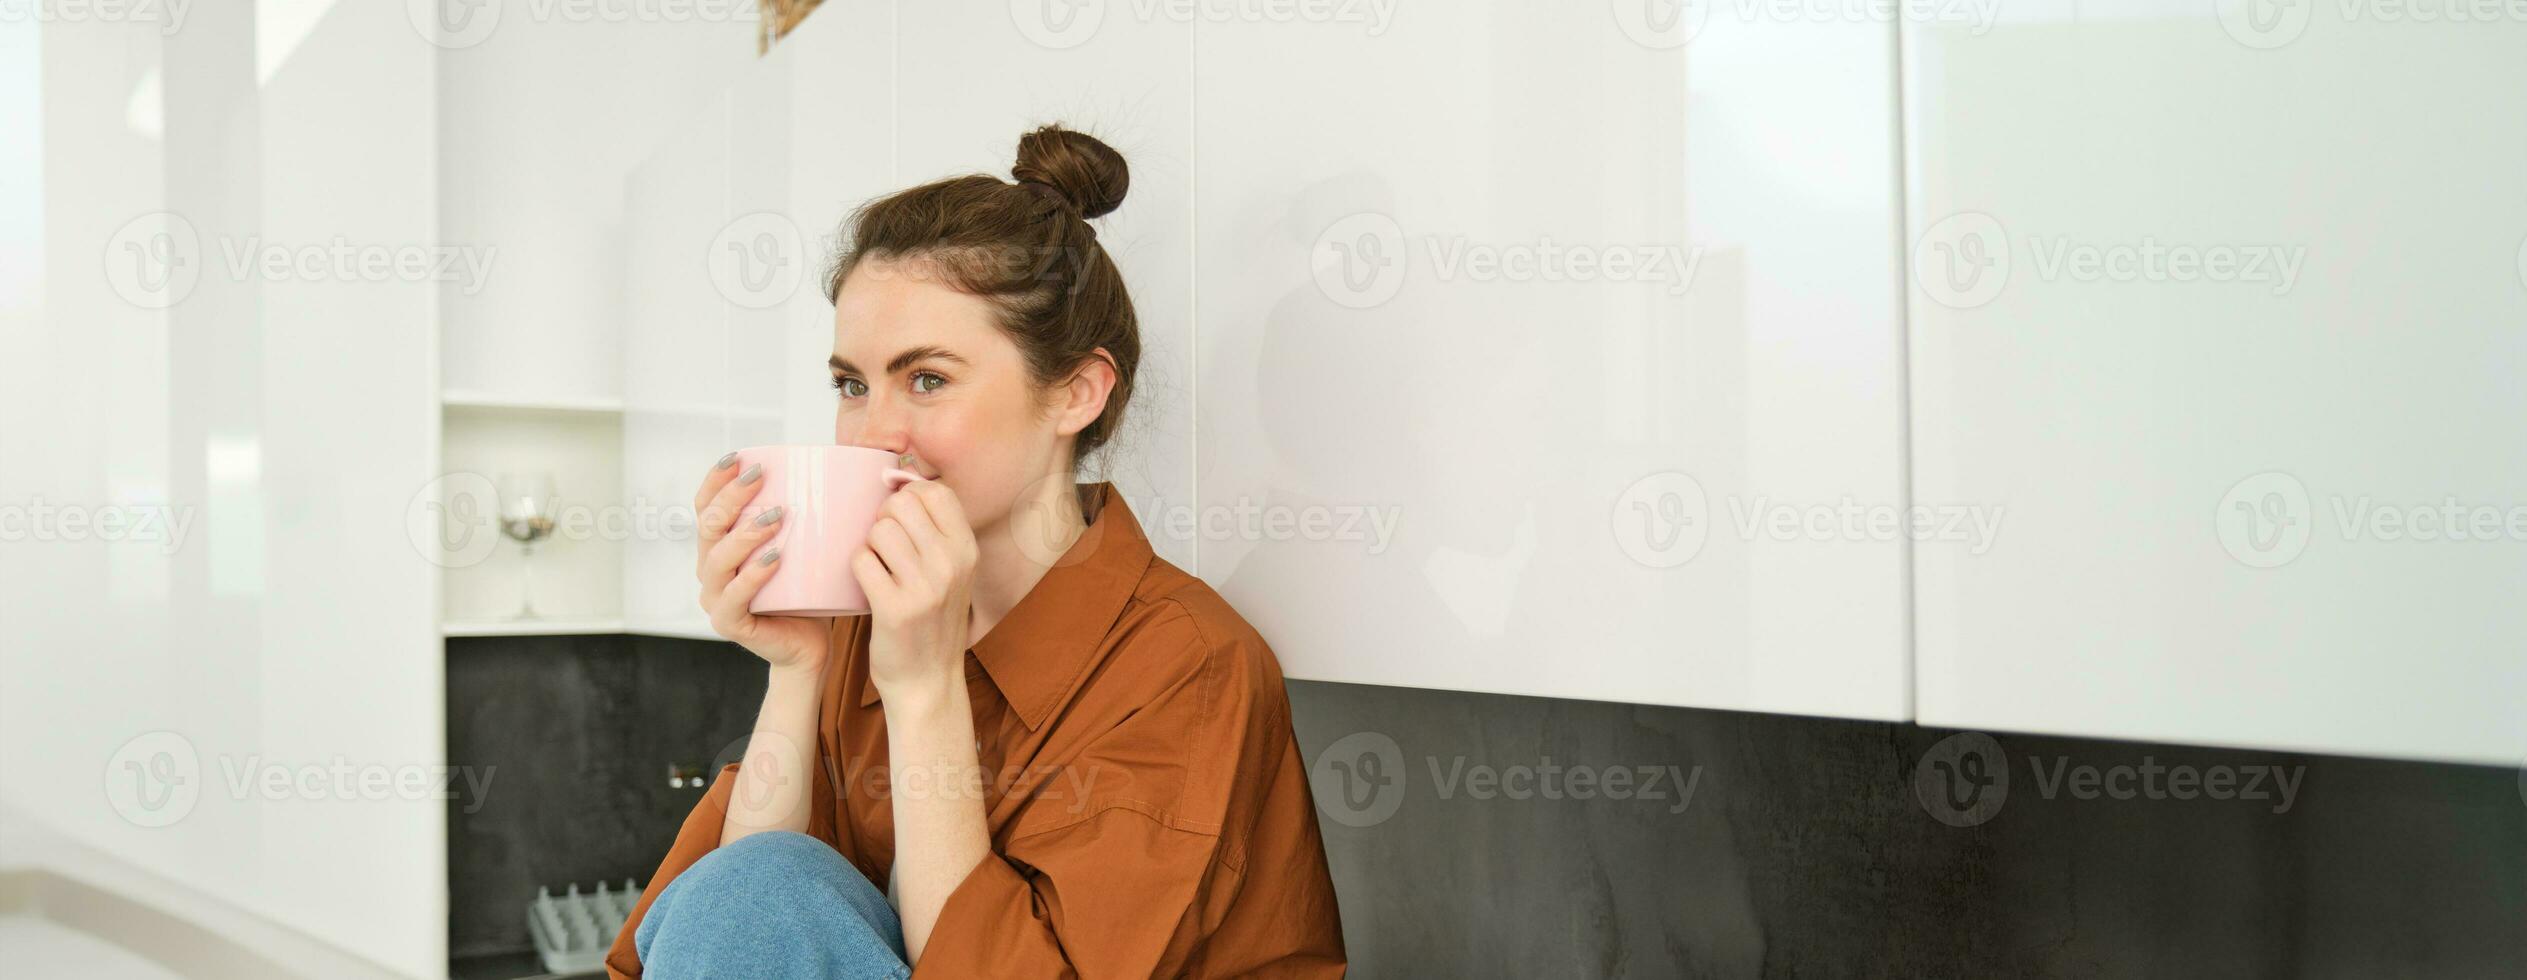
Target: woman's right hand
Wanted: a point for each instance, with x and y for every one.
(723, 544)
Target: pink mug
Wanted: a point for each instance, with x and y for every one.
(830, 497)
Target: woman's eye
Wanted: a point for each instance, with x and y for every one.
(923, 382)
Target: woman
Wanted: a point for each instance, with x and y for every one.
(1066, 756)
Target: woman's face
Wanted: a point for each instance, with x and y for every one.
(924, 371)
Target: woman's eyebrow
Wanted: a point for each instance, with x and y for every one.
(901, 361)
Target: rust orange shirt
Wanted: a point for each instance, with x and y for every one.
(1148, 806)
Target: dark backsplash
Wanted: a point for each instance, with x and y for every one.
(581, 730)
(1806, 850)
(1804, 847)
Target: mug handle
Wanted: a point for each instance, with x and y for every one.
(895, 478)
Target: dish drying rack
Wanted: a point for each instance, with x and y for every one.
(573, 930)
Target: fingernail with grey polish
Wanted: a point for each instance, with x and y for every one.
(768, 557)
(766, 518)
(724, 461)
(752, 473)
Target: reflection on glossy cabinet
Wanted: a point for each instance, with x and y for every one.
(675, 408)
(2234, 343)
(1523, 329)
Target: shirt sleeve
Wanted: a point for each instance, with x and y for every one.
(699, 836)
(1124, 873)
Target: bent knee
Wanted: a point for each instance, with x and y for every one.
(776, 862)
(778, 869)
(781, 845)
(776, 891)
(780, 853)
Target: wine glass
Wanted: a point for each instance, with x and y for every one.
(527, 504)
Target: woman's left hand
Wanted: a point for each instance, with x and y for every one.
(918, 571)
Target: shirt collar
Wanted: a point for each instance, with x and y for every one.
(1040, 648)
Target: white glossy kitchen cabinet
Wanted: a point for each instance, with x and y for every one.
(1523, 329)
(728, 230)
(2232, 321)
(202, 360)
(675, 402)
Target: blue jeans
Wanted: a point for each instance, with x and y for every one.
(775, 905)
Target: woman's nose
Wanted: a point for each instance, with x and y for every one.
(882, 426)
(892, 441)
